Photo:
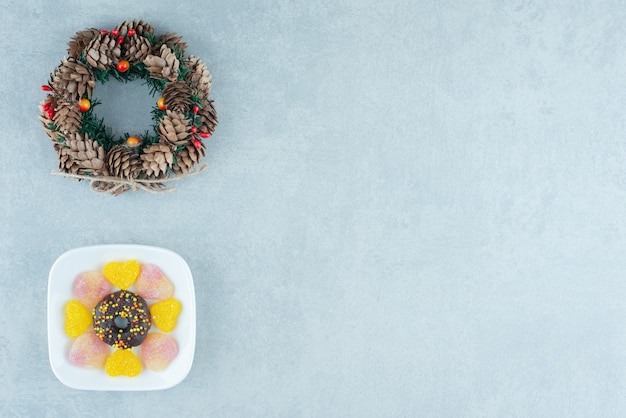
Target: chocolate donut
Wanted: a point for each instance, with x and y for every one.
(122, 319)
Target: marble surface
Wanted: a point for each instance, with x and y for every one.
(411, 209)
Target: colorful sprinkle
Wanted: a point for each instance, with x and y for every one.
(122, 319)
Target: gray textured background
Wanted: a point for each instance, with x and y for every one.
(411, 208)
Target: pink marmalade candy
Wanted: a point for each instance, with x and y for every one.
(153, 284)
(88, 350)
(158, 351)
(90, 287)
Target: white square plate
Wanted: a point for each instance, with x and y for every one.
(62, 275)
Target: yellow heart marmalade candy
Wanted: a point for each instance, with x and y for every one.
(77, 318)
(123, 363)
(165, 314)
(122, 275)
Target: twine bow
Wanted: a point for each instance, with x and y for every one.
(116, 185)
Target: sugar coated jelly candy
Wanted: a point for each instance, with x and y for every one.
(123, 363)
(152, 283)
(158, 350)
(90, 287)
(165, 314)
(122, 275)
(88, 351)
(77, 318)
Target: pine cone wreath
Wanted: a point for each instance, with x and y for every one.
(80, 41)
(156, 159)
(103, 52)
(174, 129)
(183, 116)
(188, 157)
(199, 77)
(72, 79)
(163, 66)
(177, 96)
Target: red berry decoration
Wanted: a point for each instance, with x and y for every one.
(196, 108)
(122, 66)
(120, 40)
(50, 113)
(47, 106)
(46, 87)
(131, 32)
(205, 134)
(104, 32)
(194, 129)
(197, 143)
(115, 32)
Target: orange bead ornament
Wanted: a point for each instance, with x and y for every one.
(161, 104)
(133, 141)
(122, 66)
(84, 105)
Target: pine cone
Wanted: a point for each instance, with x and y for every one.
(174, 42)
(207, 117)
(67, 117)
(177, 96)
(66, 163)
(81, 154)
(174, 129)
(136, 48)
(187, 158)
(139, 26)
(49, 102)
(80, 41)
(163, 66)
(54, 135)
(156, 159)
(103, 52)
(198, 76)
(72, 79)
(123, 162)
